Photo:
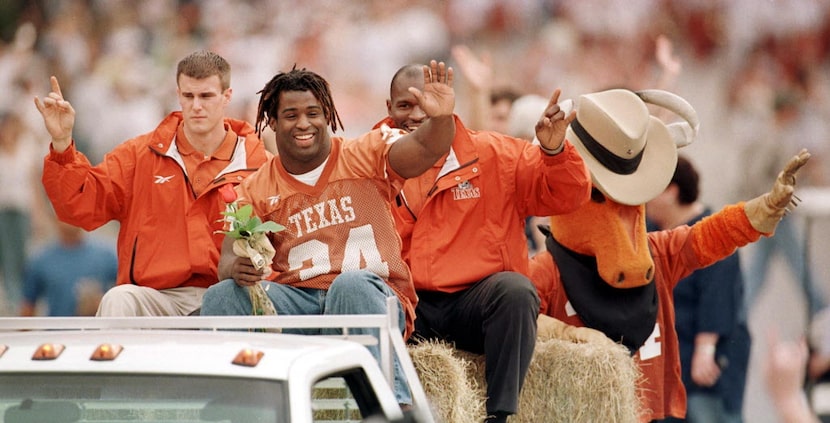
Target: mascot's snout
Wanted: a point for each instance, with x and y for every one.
(613, 233)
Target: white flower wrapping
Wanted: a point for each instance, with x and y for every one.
(258, 248)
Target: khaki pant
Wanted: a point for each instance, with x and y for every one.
(133, 300)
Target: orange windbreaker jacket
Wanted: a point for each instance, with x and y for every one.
(168, 236)
(468, 223)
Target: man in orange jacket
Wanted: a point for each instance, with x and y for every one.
(462, 227)
(162, 187)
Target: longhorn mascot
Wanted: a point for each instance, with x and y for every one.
(603, 270)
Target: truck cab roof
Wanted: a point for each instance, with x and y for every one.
(182, 369)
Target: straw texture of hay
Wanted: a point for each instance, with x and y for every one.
(566, 382)
(454, 397)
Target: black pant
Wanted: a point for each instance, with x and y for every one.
(495, 317)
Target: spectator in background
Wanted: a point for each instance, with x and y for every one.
(784, 372)
(501, 102)
(19, 205)
(489, 106)
(818, 364)
(767, 152)
(523, 115)
(710, 313)
(71, 274)
(162, 187)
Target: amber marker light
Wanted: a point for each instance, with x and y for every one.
(106, 352)
(248, 357)
(47, 352)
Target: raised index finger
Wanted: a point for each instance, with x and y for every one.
(56, 88)
(554, 99)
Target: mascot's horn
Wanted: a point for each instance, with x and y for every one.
(684, 133)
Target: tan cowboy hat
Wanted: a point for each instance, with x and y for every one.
(631, 154)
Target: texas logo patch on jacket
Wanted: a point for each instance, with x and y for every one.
(465, 191)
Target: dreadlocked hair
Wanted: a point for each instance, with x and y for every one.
(295, 80)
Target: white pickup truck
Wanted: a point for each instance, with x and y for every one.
(192, 369)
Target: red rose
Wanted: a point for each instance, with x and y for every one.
(228, 193)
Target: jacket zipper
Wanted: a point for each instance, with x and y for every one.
(401, 200)
(132, 262)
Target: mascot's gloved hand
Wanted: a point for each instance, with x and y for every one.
(550, 328)
(764, 212)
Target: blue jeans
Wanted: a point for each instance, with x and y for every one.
(354, 292)
(788, 242)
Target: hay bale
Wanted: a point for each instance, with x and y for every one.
(566, 382)
(580, 383)
(454, 397)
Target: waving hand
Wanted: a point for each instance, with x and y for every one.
(765, 211)
(438, 96)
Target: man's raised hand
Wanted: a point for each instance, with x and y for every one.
(58, 116)
(551, 127)
(438, 96)
(765, 211)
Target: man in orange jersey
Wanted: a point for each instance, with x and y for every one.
(162, 187)
(340, 253)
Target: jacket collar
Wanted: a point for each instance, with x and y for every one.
(224, 152)
(233, 148)
(162, 138)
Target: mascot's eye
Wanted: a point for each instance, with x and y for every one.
(597, 196)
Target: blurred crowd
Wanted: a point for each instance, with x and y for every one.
(756, 71)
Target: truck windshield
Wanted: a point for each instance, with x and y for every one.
(66, 397)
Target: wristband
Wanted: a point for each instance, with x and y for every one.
(550, 152)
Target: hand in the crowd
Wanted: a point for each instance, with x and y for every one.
(764, 212)
(785, 367)
(668, 61)
(550, 129)
(705, 369)
(58, 116)
(478, 72)
(438, 96)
